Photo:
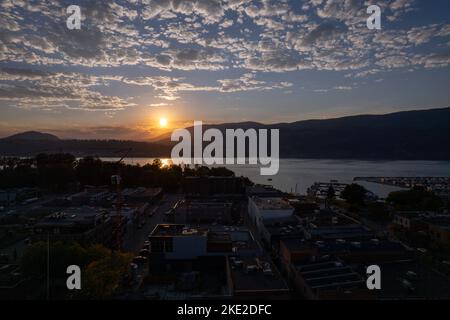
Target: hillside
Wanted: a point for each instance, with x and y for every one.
(409, 135)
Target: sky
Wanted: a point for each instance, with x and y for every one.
(135, 62)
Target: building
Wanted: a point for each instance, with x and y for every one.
(205, 278)
(352, 252)
(412, 220)
(438, 229)
(11, 197)
(85, 225)
(193, 211)
(177, 241)
(213, 186)
(263, 191)
(328, 279)
(181, 242)
(140, 195)
(329, 225)
(273, 231)
(256, 278)
(412, 280)
(261, 210)
(92, 195)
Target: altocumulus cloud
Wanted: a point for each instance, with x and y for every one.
(174, 40)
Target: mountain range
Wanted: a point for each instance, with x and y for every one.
(407, 135)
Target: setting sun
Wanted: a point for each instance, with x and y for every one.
(163, 122)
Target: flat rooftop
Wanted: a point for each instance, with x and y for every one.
(241, 237)
(262, 190)
(272, 203)
(194, 204)
(72, 216)
(329, 274)
(141, 192)
(412, 280)
(322, 219)
(255, 274)
(341, 245)
(177, 230)
(284, 226)
(356, 231)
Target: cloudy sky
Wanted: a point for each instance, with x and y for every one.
(134, 62)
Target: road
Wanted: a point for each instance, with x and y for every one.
(135, 237)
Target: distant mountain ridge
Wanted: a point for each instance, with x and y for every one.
(33, 136)
(407, 135)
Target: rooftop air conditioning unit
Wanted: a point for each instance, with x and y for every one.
(251, 268)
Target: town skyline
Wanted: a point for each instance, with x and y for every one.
(135, 64)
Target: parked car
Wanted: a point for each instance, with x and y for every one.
(140, 260)
(144, 253)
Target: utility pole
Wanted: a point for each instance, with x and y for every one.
(48, 265)
(117, 180)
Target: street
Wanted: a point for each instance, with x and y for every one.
(135, 237)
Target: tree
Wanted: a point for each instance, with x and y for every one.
(378, 210)
(354, 194)
(102, 271)
(34, 260)
(55, 171)
(103, 277)
(330, 196)
(417, 198)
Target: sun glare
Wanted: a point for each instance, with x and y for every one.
(163, 122)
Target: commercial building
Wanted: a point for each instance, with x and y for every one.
(261, 210)
(438, 229)
(213, 186)
(205, 211)
(329, 225)
(263, 191)
(273, 231)
(140, 195)
(9, 197)
(177, 241)
(85, 225)
(328, 279)
(412, 280)
(92, 195)
(181, 242)
(352, 252)
(256, 278)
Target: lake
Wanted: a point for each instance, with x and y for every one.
(297, 175)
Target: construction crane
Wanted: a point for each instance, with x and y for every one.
(117, 181)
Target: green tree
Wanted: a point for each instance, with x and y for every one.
(102, 277)
(102, 269)
(417, 198)
(354, 194)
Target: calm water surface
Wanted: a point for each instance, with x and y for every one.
(297, 175)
